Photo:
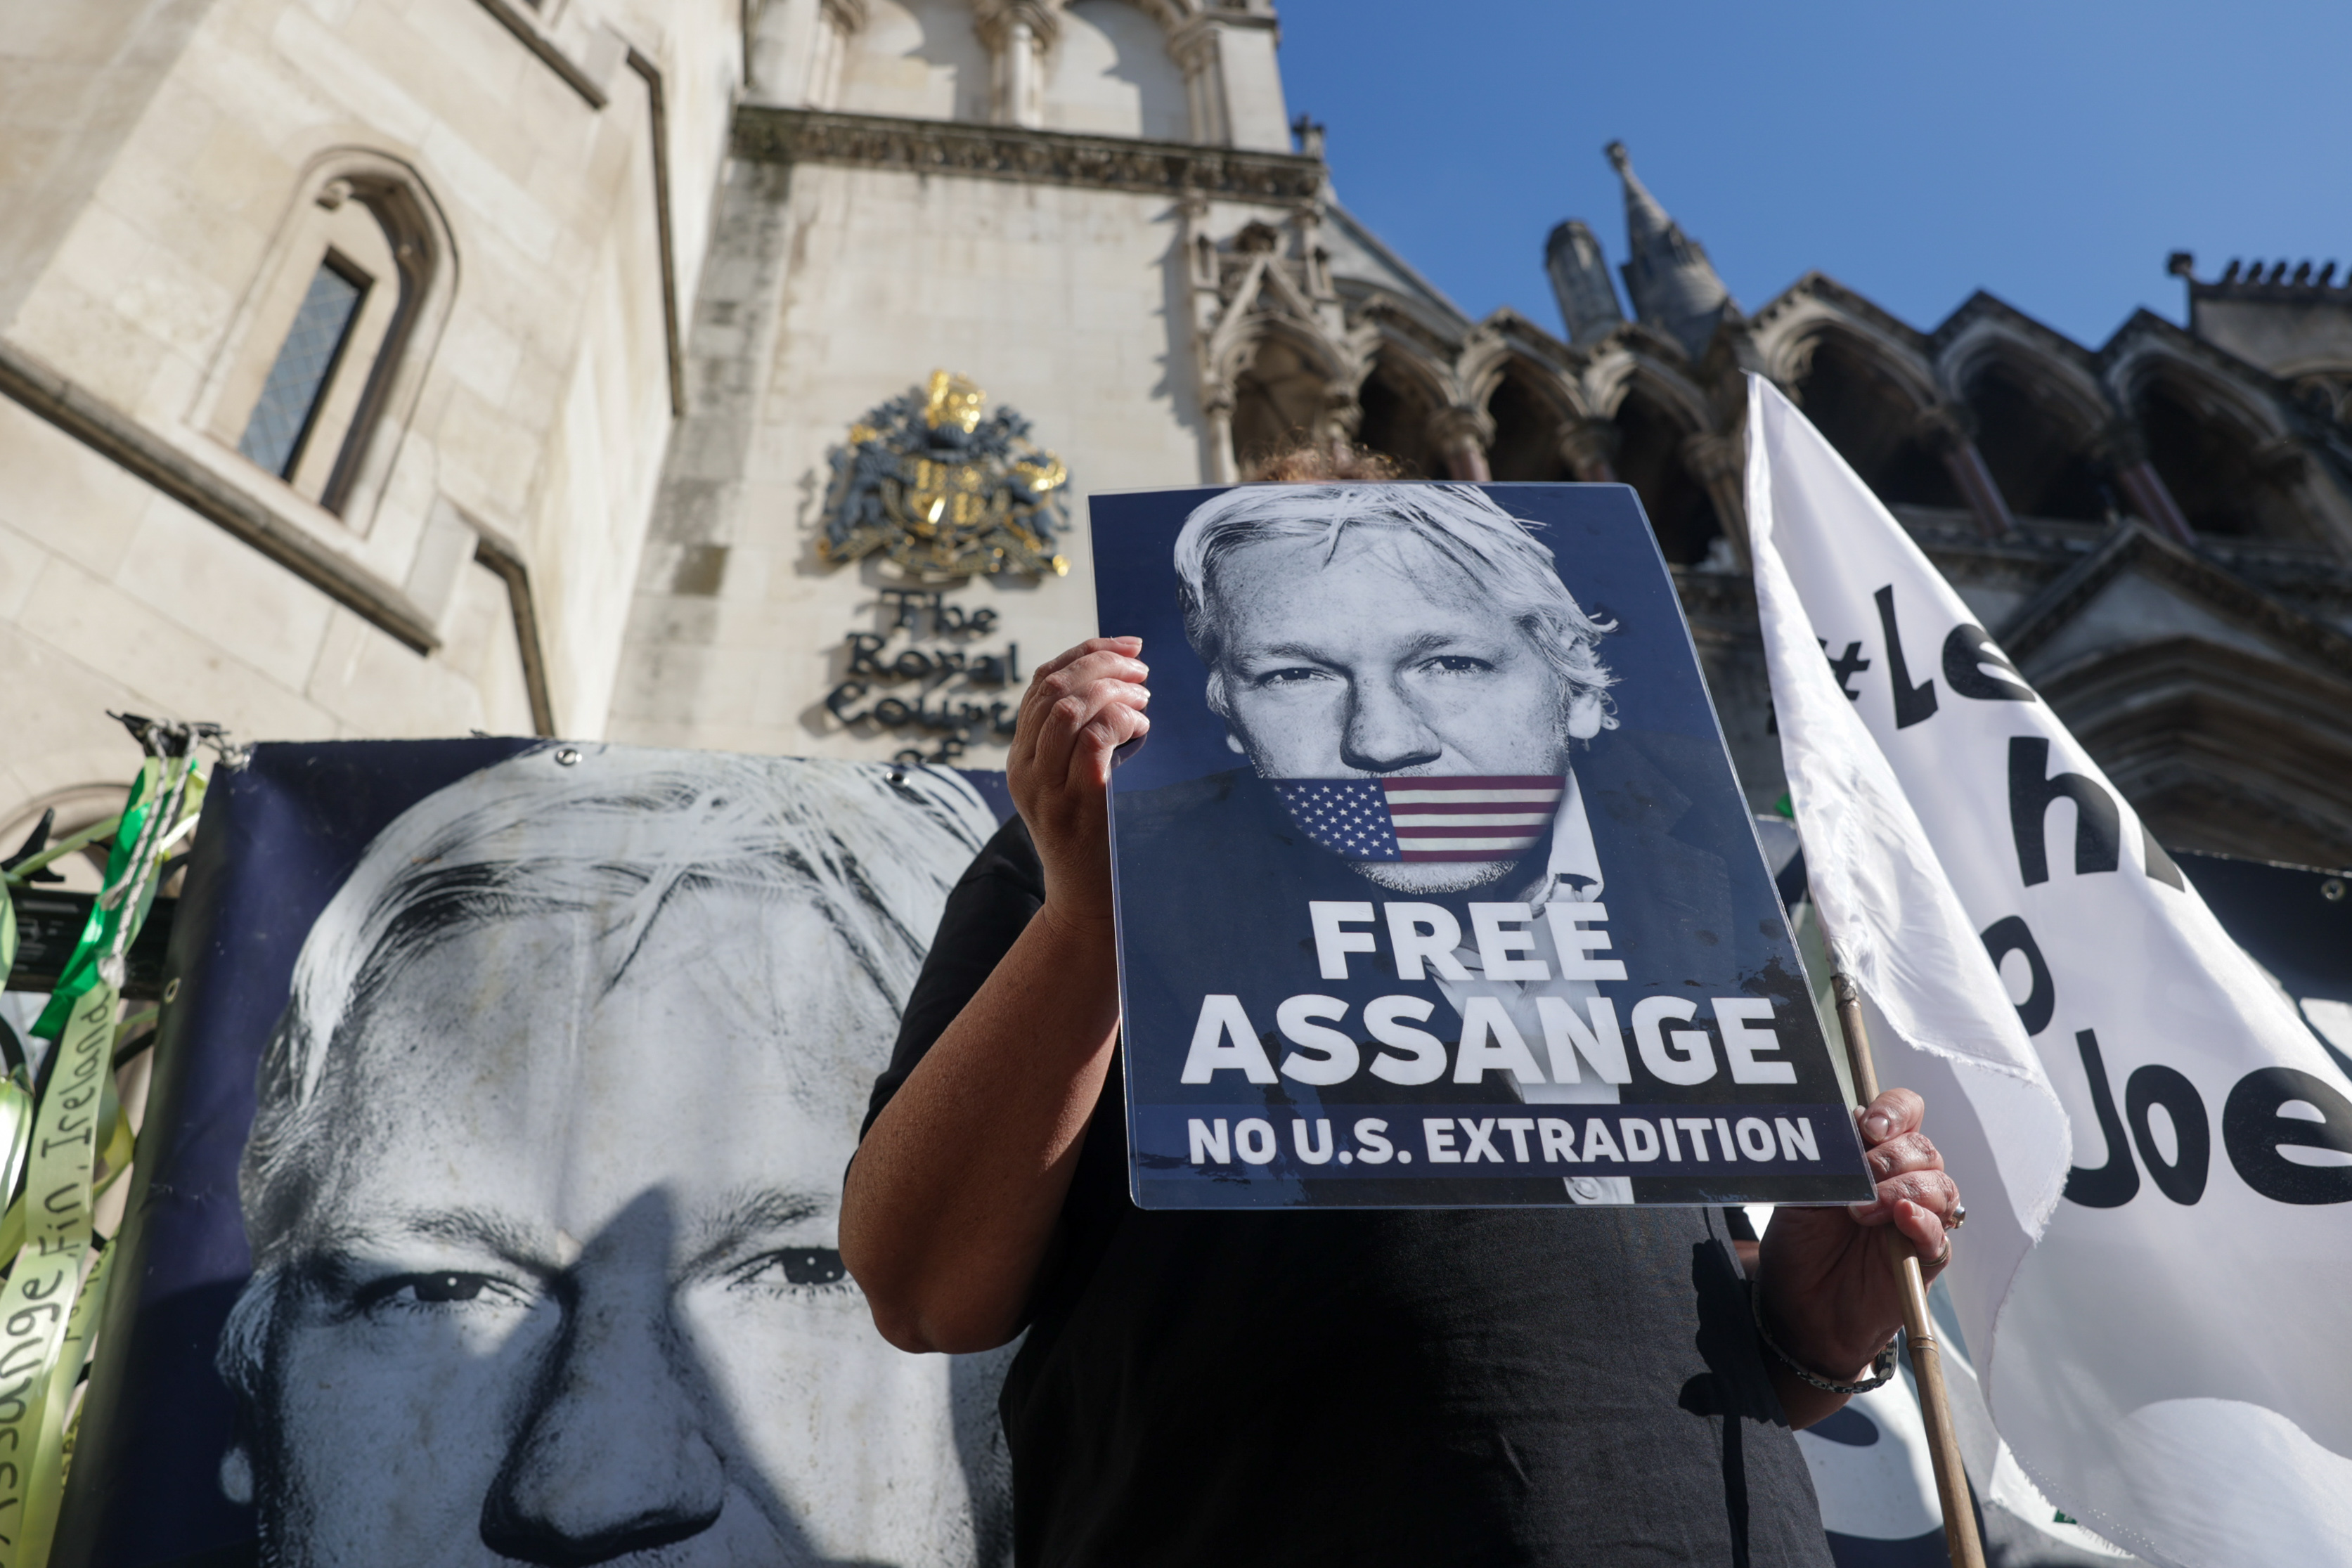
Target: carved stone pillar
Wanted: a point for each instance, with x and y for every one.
(1719, 463)
(1945, 429)
(1315, 261)
(1217, 437)
(1230, 78)
(1193, 47)
(1461, 434)
(829, 48)
(1589, 447)
(2144, 488)
(1020, 100)
(1018, 33)
(1204, 270)
(1342, 417)
(2148, 494)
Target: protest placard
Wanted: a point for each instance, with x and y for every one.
(1436, 887)
(487, 1195)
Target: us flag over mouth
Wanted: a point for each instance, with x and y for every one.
(1461, 818)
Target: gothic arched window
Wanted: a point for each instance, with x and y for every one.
(2213, 458)
(1526, 433)
(2038, 444)
(1279, 402)
(327, 354)
(1396, 420)
(1650, 458)
(1863, 410)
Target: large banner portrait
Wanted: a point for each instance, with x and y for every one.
(498, 1140)
(1435, 886)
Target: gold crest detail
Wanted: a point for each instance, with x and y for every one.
(946, 490)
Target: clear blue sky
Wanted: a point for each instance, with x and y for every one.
(2051, 151)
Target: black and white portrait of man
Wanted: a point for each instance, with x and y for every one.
(541, 1186)
(1426, 712)
(1401, 632)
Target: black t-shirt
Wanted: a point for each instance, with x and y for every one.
(1370, 1387)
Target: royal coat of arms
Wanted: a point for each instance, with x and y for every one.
(944, 492)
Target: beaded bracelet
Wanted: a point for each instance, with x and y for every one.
(1882, 1365)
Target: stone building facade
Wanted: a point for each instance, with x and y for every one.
(1012, 192)
(2158, 531)
(339, 354)
(404, 367)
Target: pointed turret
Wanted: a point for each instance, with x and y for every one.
(1673, 285)
(1579, 281)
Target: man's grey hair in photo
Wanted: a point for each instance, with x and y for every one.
(620, 835)
(1496, 553)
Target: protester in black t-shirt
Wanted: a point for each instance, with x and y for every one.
(1538, 1385)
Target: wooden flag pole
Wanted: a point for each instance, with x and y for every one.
(1926, 1362)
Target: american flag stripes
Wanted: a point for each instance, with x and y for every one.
(1463, 818)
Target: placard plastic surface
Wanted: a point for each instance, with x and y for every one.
(1435, 886)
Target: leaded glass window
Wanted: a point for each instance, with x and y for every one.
(299, 378)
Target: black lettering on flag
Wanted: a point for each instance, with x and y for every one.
(2273, 1108)
(1845, 666)
(2116, 1183)
(1912, 704)
(2010, 935)
(2183, 1180)
(1967, 650)
(2098, 829)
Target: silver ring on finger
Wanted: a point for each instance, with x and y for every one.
(1959, 1217)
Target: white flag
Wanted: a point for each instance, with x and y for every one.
(2167, 1351)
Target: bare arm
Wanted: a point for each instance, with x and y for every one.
(954, 1198)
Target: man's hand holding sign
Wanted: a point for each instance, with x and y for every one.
(1312, 1254)
(952, 1203)
(1829, 1294)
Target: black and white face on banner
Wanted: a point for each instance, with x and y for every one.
(1435, 886)
(542, 1178)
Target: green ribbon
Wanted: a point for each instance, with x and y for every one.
(35, 1303)
(15, 1143)
(106, 915)
(46, 1492)
(48, 1306)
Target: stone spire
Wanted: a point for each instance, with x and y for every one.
(1579, 281)
(1672, 283)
